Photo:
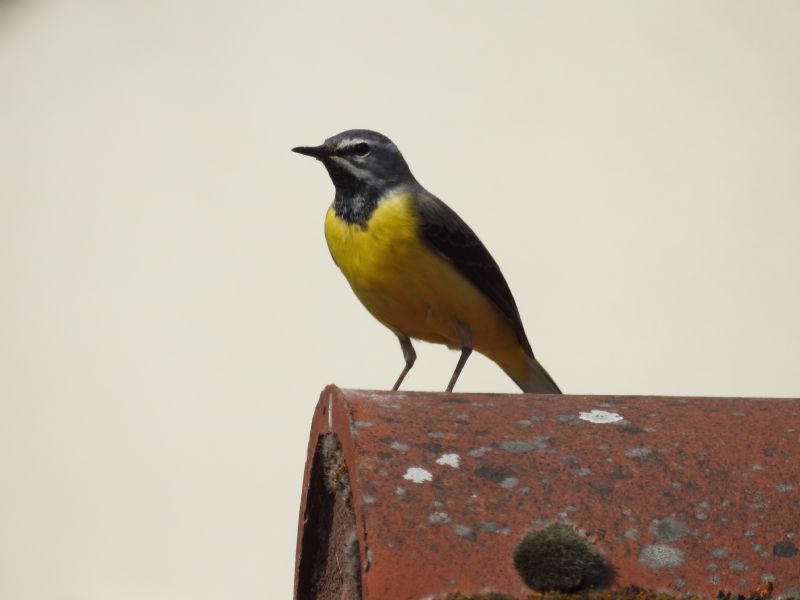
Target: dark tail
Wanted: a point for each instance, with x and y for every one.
(536, 380)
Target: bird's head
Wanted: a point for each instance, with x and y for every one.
(361, 162)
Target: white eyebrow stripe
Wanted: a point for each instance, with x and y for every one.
(348, 143)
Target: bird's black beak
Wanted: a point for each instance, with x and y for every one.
(318, 152)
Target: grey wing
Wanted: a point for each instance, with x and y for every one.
(443, 229)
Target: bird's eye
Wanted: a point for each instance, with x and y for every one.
(361, 149)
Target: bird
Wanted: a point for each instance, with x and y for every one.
(415, 265)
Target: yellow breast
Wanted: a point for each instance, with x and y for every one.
(407, 285)
(365, 253)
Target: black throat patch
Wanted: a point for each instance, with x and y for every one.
(355, 208)
(355, 199)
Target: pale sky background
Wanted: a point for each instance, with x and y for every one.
(169, 311)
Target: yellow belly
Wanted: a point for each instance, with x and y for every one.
(409, 287)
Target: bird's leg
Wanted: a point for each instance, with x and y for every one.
(466, 350)
(409, 355)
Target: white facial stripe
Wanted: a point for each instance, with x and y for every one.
(361, 174)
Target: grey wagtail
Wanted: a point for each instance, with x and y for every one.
(415, 265)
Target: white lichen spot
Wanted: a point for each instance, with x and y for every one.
(638, 452)
(661, 556)
(465, 532)
(437, 518)
(478, 452)
(418, 475)
(600, 416)
(451, 460)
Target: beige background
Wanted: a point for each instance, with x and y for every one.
(169, 311)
